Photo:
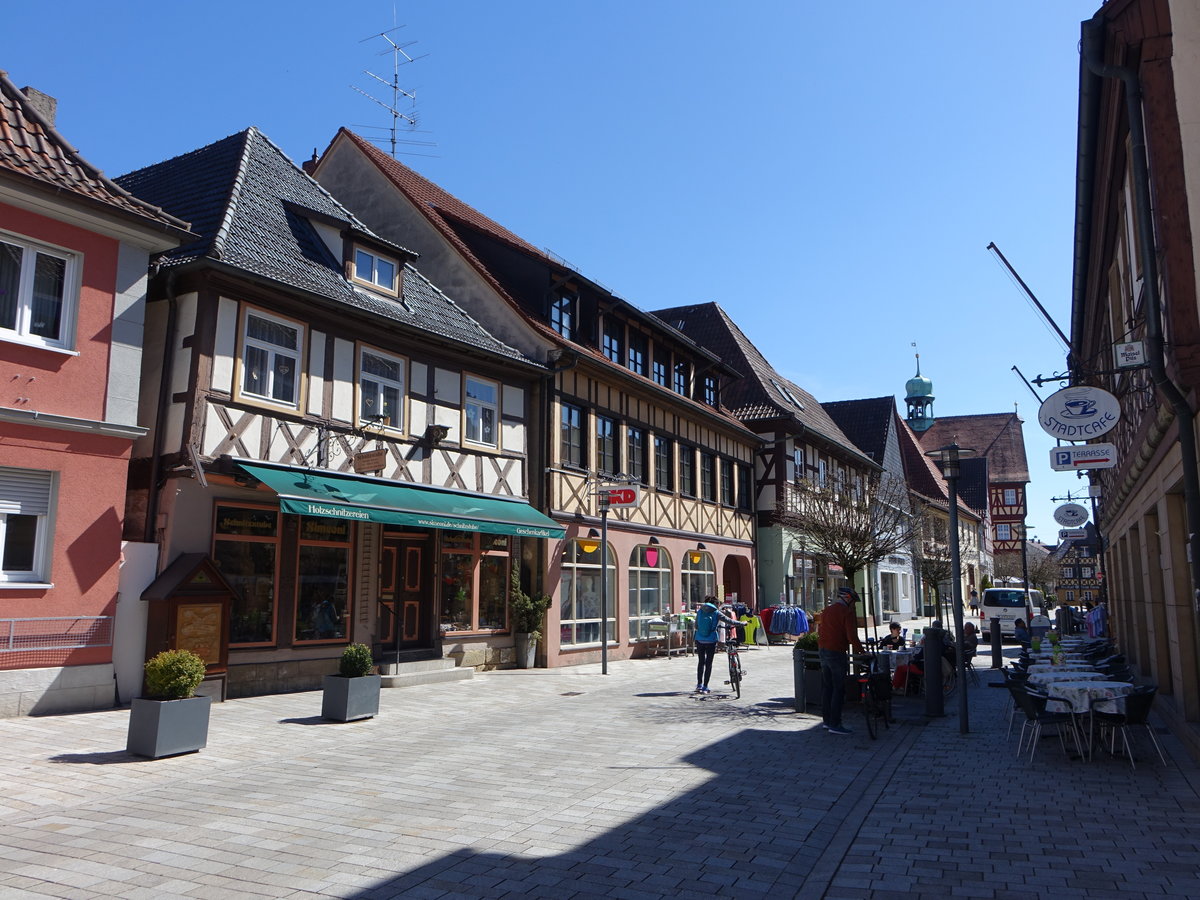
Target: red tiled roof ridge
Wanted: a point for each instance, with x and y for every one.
(50, 159)
(423, 191)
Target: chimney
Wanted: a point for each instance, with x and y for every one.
(46, 105)
(309, 166)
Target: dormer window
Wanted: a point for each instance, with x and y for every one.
(613, 341)
(710, 390)
(377, 271)
(682, 378)
(562, 314)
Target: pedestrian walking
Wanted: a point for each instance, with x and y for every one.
(838, 632)
(708, 617)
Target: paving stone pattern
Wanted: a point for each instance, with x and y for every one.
(569, 783)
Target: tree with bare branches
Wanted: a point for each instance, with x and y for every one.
(931, 547)
(852, 527)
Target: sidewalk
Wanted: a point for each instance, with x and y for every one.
(569, 783)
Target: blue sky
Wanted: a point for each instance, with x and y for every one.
(830, 173)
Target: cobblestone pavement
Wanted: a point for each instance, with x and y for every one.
(569, 783)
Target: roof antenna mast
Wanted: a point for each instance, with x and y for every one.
(400, 57)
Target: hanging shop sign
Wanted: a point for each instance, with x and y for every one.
(1071, 515)
(1079, 413)
(1129, 355)
(621, 495)
(1084, 456)
(1068, 534)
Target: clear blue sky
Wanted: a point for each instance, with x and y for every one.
(830, 173)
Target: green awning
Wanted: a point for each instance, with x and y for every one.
(336, 496)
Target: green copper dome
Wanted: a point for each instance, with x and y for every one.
(919, 386)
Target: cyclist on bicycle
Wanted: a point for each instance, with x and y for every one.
(708, 618)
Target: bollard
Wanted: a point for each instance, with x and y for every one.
(798, 677)
(935, 706)
(997, 646)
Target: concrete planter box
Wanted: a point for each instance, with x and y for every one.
(160, 728)
(347, 699)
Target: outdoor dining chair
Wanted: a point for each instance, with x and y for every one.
(1033, 705)
(1137, 713)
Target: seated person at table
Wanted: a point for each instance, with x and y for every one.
(894, 641)
(1021, 632)
(903, 675)
(970, 639)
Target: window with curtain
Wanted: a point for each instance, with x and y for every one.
(380, 389)
(271, 348)
(39, 292)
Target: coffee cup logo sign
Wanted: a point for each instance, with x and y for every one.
(1079, 413)
(1071, 515)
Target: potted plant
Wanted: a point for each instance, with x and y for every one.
(353, 693)
(170, 719)
(527, 615)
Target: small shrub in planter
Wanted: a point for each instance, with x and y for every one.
(353, 693)
(171, 719)
(356, 661)
(527, 615)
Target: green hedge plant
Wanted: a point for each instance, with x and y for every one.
(356, 661)
(174, 675)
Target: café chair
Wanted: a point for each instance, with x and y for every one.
(1033, 705)
(1137, 713)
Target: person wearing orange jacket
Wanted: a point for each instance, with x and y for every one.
(837, 634)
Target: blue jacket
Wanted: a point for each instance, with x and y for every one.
(707, 617)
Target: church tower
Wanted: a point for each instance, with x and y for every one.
(919, 399)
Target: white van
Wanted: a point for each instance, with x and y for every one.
(1008, 605)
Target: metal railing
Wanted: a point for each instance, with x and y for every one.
(55, 633)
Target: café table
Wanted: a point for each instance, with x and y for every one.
(894, 659)
(1047, 678)
(1084, 696)
(1042, 668)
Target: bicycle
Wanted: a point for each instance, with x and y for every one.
(875, 695)
(735, 663)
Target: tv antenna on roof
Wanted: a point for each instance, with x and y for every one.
(400, 57)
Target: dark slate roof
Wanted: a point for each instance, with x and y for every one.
(866, 422)
(998, 436)
(761, 394)
(461, 225)
(32, 150)
(253, 208)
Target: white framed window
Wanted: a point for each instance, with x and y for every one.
(39, 293)
(375, 270)
(380, 389)
(26, 500)
(1010, 497)
(481, 408)
(1004, 532)
(271, 349)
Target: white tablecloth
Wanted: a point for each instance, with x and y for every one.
(1086, 694)
(1046, 678)
(1043, 668)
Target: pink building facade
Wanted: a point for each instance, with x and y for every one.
(74, 256)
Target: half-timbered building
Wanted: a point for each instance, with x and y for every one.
(798, 441)
(629, 401)
(343, 440)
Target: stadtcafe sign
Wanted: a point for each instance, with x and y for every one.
(1079, 413)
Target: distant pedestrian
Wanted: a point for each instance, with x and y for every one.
(837, 633)
(974, 602)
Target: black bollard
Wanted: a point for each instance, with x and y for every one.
(798, 677)
(997, 646)
(935, 706)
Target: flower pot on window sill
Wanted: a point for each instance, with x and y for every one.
(348, 699)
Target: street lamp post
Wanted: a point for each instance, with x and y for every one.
(949, 457)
